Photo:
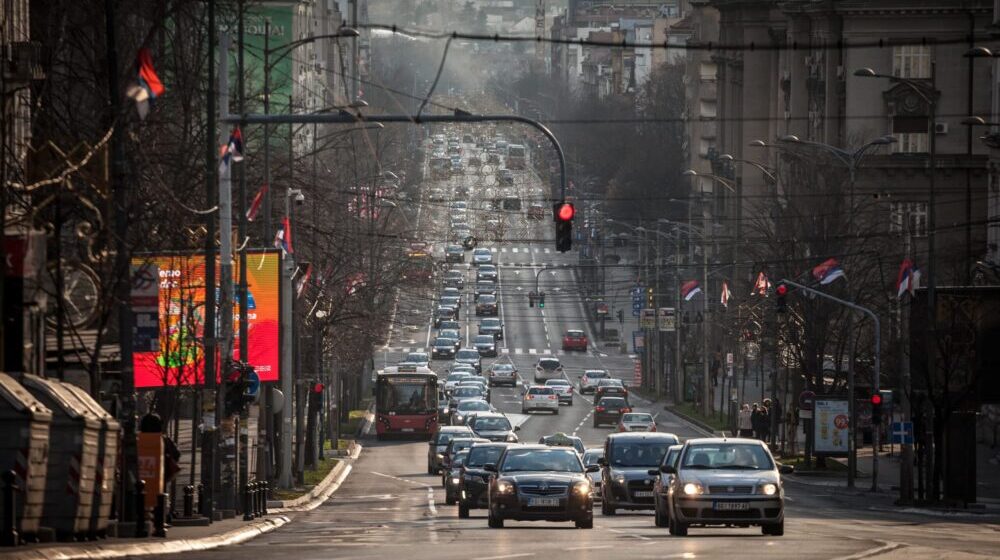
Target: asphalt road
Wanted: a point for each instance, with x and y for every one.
(389, 507)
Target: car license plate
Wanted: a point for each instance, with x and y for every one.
(407, 429)
(543, 502)
(613, 410)
(643, 494)
(732, 506)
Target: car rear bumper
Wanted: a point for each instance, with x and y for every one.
(601, 418)
(702, 510)
(511, 380)
(567, 398)
(540, 405)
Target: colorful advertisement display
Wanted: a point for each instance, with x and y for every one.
(180, 356)
(831, 427)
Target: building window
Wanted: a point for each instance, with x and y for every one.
(908, 218)
(910, 143)
(911, 61)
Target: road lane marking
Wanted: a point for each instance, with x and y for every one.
(521, 555)
(598, 547)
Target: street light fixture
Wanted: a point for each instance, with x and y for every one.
(767, 171)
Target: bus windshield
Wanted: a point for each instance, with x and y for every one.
(406, 395)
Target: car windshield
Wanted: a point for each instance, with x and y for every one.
(734, 456)
(637, 417)
(454, 249)
(591, 457)
(449, 325)
(482, 455)
(490, 323)
(596, 375)
(494, 423)
(468, 392)
(487, 298)
(457, 376)
(638, 453)
(552, 459)
(549, 364)
(540, 391)
(487, 268)
(477, 406)
(467, 355)
(611, 402)
(444, 438)
(443, 341)
(557, 382)
(483, 252)
(449, 333)
(459, 459)
(487, 339)
(416, 357)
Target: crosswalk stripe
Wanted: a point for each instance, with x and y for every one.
(519, 351)
(513, 249)
(532, 351)
(547, 250)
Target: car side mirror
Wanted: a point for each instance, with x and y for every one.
(517, 428)
(668, 469)
(602, 462)
(653, 472)
(786, 469)
(490, 467)
(593, 468)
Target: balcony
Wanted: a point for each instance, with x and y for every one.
(24, 62)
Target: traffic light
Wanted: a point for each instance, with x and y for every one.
(562, 213)
(876, 401)
(649, 297)
(237, 385)
(541, 301)
(780, 303)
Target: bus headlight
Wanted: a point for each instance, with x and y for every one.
(769, 489)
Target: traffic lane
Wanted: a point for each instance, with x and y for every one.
(542, 423)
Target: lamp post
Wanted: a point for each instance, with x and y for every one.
(926, 92)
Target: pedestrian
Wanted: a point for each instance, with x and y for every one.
(765, 420)
(755, 420)
(744, 427)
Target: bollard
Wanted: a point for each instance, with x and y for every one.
(265, 492)
(8, 533)
(201, 499)
(140, 510)
(189, 501)
(255, 498)
(160, 516)
(247, 496)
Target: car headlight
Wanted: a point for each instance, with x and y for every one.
(440, 456)
(455, 480)
(504, 487)
(620, 478)
(769, 489)
(582, 488)
(511, 438)
(693, 489)
(445, 410)
(459, 417)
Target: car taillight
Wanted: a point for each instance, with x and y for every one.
(599, 409)
(652, 427)
(626, 409)
(531, 397)
(552, 397)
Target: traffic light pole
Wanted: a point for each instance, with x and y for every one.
(850, 381)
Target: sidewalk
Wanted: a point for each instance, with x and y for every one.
(190, 539)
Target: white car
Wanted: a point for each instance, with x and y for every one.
(482, 255)
(453, 379)
(540, 398)
(548, 367)
(637, 422)
(590, 379)
(563, 389)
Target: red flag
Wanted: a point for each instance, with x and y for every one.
(258, 201)
(304, 281)
(287, 239)
(147, 75)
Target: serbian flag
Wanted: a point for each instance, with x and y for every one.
(690, 289)
(908, 278)
(258, 201)
(827, 271)
(303, 281)
(726, 294)
(761, 286)
(283, 238)
(147, 86)
(233, 150)
(355, 282)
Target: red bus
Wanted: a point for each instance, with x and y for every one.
(419, 266)
(406, 403)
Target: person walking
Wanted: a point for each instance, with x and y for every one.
(755, 420)
(765, 421)
(743, 426)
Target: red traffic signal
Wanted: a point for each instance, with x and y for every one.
(318, 388)
(564, 211)
(781, 290)
(876, 399)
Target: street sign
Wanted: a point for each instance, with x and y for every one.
(668, 319)
(602, 309)
(637, 300)
(253, 387)
(639, 341)
(806, 400)
(902, 433)
(647, 319)
(637, 374)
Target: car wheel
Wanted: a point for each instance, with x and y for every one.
(587, 523)
(659, 518)
(494, 521)
(556, 412)
(773, 529)
(595, 423)
(463, 510)
(606, 507)
(571, 402)
(431, 470)
(449, 499)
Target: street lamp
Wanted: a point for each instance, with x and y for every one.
(767, 171)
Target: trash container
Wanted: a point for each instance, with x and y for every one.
(24, 449)
(107, 462)
(73, 444)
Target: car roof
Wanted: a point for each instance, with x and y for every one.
(574, 331)
(611, 397)
(450, 429)
(491, 415)
(557, 382)
(642, 436)
(720, 440)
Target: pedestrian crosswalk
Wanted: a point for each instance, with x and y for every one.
(514, 351)
(526, 250)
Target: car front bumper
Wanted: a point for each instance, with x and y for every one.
(515, 506)
(631, 495)
(703, 510)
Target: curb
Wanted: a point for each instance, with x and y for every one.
(235, 536)
(694, 422)
(330, 483)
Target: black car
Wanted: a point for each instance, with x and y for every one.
(455, 446)
(661, 488)
(540, 483)
(486, 305)
(492, 326)
(486, 345)
(629, 458)
(494, 426)
(454, 279)
(443, 348)
(454, 254)
(486, 272)
(444, 313)
(609, 410)
(450, 324)
(440, 441)
(476, 481)
(453, 477)
(487, 287)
